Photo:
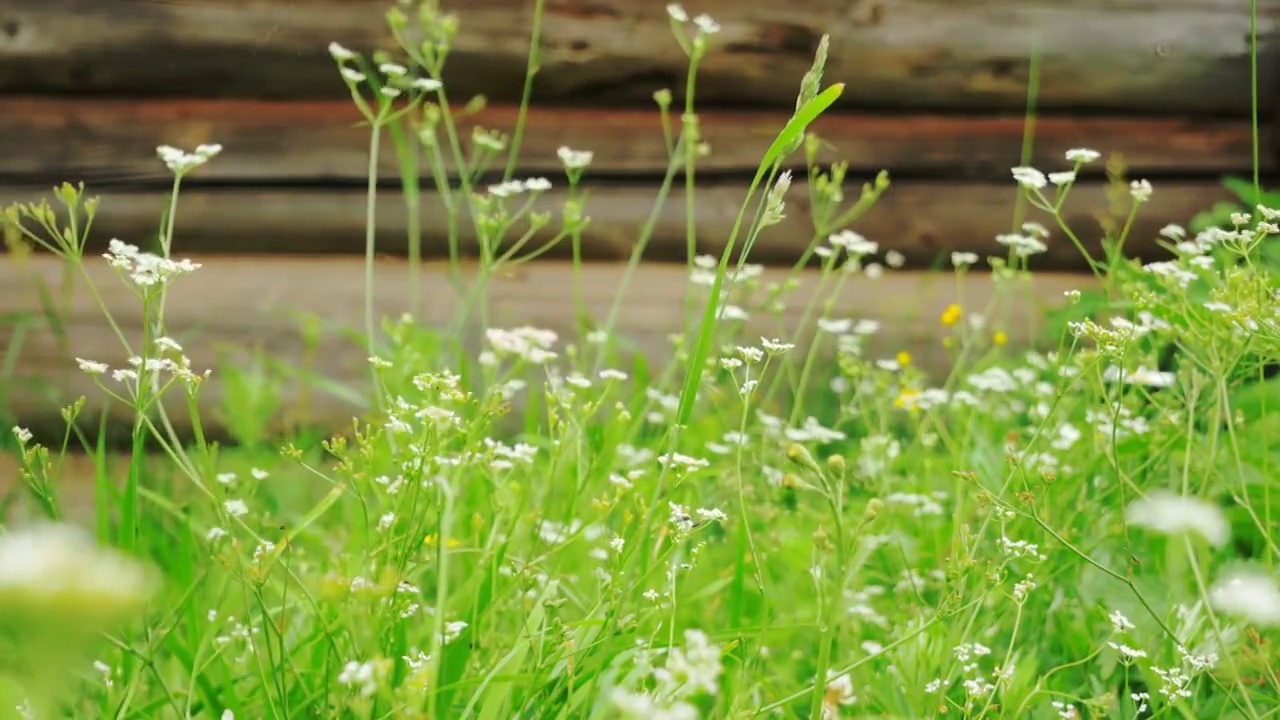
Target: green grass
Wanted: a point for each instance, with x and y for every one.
(547, 527)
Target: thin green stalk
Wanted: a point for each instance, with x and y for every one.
(1194, 563)
(811, 354)
(824, 654)
(637, 251)
(407, 152)
(534, 64)
(1028, 133)
(442, 588)
(690, 131)
(1253, 94)
(370, 243)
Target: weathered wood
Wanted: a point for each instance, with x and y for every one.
(1148, 55)
(50, 140)
(312, 140)
(236, 304)
(924, 220)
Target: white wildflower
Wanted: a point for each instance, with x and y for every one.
(56, 574)
(839, 692)
(693, 669)
(574, 159)
(835, 326)
(1140, 190)
(361, 676)
(853, 243)
(711, 514)
(538, 184)
(1127, 654)
(1165, 512)
(1083, 155)
(92, 367)
(706, 25)
(1030, 177)
(1120, 623)
(775, 346)
(181, 162)
(680, 518)
(1251, 595)
(1022, 245)
(340, 53)
(643, 706)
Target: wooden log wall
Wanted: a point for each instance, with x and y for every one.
(934, 93)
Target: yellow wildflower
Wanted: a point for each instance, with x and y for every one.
(904, 397)
(1000, 338)
(904, 358)
(951, 315)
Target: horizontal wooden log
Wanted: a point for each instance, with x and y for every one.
(923, 220)
(1145, 55)
(233, 305)
(108, 141)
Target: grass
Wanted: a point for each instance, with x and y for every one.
(547, 527)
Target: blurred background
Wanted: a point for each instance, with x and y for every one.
(937, 93)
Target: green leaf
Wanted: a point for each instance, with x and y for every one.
(494, 704)
(794, 129)
(799, 123)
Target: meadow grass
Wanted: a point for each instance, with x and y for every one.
(547, 527)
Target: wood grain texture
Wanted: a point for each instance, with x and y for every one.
(924, 220)
(1148, 55)
(50, 140)
(237, 304)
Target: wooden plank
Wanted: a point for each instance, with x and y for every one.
(924, 220)
(50, 140)
(235, 304)
(1148, 55)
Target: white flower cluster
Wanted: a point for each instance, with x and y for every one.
(145, 269)
(526, 343)
(397, 75)
(515, 187)
(574, 159)
(703, 22)
(168, 360)
(1027, 243)
(181, 162)
(690, 671)
(704, 273)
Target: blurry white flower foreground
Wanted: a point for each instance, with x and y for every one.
(56, 575)
(1249, 594)
(1165, 512)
